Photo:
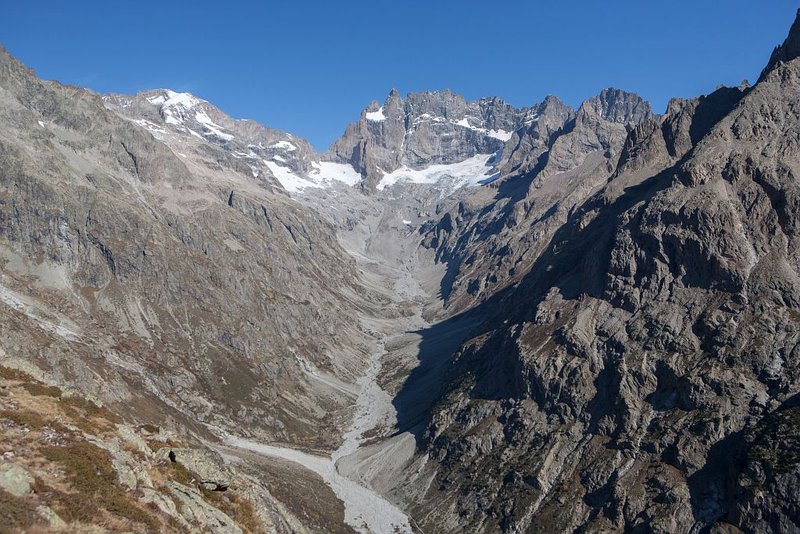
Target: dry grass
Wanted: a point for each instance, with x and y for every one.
(179, 473)
(91, 474)
(13, 374)
(88, 416)
(156, 444)
(26, 418)
(16, 513)
(76, 478)
(235, 507)
(38, 390)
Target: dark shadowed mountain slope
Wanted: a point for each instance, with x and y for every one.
(642, 371)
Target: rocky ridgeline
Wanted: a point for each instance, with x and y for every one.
(162, 263)
(166, 114)
(546, 170)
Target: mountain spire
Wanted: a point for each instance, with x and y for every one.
(789, 50)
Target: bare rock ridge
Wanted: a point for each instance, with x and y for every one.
(163, 111)
(547, 169)
(789, 50)
(463, 315)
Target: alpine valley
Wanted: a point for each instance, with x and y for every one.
(462, 317)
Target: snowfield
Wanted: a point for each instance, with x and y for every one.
(323, 175)
(473, 171)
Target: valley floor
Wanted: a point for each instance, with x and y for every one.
(356, 471)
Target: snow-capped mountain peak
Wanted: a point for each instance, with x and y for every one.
(188, 111)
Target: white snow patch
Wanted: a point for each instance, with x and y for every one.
(174, 106)
(211, 126)
(532, 118)
(323, 174)
(473, 171)
(341, 172)
(41, 124)
(284, 145)
(376, 116)
(497, 134)
(406, 222)
(151, 126)
(157, 100)
(500, 134)
(288, 179)
(185, 100)
(428, 117)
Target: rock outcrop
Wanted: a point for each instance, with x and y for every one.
(550, 167)
(68, 465)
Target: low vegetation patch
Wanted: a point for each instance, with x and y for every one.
(16, 513)
(90, 472)
(14, 374)
(25, 418)
(235, 507)
(39, 390)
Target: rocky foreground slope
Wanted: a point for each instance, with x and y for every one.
(477, 317)
(71, 464)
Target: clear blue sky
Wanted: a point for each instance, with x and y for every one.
(310, 67)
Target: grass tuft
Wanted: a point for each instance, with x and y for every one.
(235, 507)
(14, 374)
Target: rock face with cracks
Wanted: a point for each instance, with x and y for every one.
(424, 129)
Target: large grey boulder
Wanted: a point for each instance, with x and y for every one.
(15, 479)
